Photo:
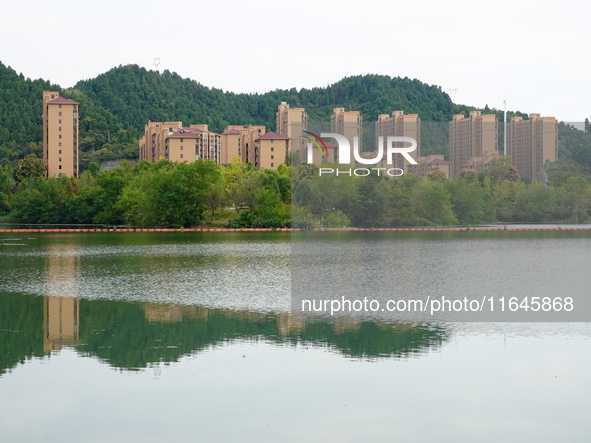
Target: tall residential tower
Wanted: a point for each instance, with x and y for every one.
(60, 135)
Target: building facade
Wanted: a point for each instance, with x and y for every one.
(472, 136)
(172, 141)
(270, 150)
(60, 135)
(248, 135)
(231, 145)
(291, 123)
(153, 142)
(193, 143)
(347, 123)
(400, 125)
(531, 143)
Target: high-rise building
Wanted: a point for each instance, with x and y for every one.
(60, 135)
(347, 123)
(399, 125)
(470, 138)
(291, 123)
(531, 143)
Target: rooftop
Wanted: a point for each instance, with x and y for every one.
(184, 134)
(438, 161)
(273, 136)
(61, 100)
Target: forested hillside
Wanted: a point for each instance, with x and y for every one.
(116, 105)
(136, 95)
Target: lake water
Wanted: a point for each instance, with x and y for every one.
(115, 337)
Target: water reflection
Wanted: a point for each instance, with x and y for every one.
(132, 336)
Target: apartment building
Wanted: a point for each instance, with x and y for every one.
(430, 163)
(472, 136)
(231, 145)
(347, 123)
(153, 142)
(60, 135)
(291, 123)
(248, 135)
(270, 150)
(531, 143)
(193, 143)
(399, 125)
(172, 141)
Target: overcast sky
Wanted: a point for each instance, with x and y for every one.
(533, 54)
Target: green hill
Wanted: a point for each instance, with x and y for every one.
(116, 105)
(136, 95)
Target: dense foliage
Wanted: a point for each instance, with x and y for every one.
(136, 95)
(162, 194)
(167, 194)
(115, 106)
(469, 198)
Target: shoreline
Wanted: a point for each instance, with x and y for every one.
(402, 229)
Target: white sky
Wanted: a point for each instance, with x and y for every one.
(533, 53)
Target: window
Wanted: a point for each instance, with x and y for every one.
(272, 157)
(59, 106)
(181, 148)
(52, 96)
(182, 155)
(60, 167)
(60, 151)
(181, 140)
(60, 121)
(272, 165)
(60, 136)
(272, 148)
(60, 159)
(60, 114)
(60, 145)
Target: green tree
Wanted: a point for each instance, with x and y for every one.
(437, 175)
(6, 186)
(30, 166)
(468, 200)
(575, 199)
(535, 203)
(433, 204)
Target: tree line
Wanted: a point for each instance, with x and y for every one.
(171, 194)
(493, 195)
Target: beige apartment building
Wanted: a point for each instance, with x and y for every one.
(347, 123)
(193, 143)
(472, 136)
(248, 135)
(153, 142)
(531, 143)
(231, 145)
(431, 163)
(291, 123)
(172, 141)
(60, 135)
(270, 150)
(399, 125)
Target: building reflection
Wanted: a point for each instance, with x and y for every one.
(61, 306)
(61, 322)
